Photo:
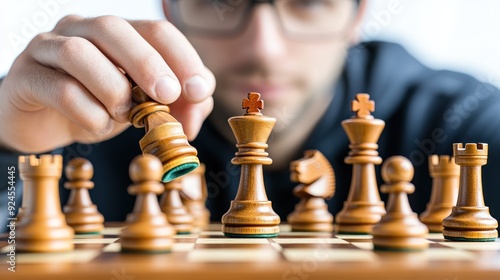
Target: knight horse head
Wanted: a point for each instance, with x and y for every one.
(315, 174)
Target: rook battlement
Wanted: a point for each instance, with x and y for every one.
(470, 149)
(45, 161)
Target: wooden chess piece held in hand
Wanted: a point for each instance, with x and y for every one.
(444, 173)
(317, 183)
(363, 207)
(43, 227)
(399, 229)
(147, 227)
(470, 219)
(251, 213)
(164, 136)
(81, 213)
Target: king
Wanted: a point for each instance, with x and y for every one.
(251, 213)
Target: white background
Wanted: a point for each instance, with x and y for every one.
(462, 35)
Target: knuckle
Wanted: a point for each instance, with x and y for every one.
(157, 29)
(70, 47)
(63, 22)
(106, 22)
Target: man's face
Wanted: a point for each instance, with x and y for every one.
(288, 73)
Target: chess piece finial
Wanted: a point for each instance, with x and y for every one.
(470, 219)
(399, 229)
(317, 183)
(253, 104)
(81, 213)
(445, 174)
(251, 213)
(148, 229)
(43, 227)
(363, 207)
(164, 136)
(363, 106)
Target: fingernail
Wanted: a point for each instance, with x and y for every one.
(197, 88)
(167, 89)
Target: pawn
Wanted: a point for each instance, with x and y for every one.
(171, 204)
(317, 183)
(81, 213)
(148, 229)
(194, 195)
(399, 229)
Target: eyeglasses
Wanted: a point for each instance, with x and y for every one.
(299, 19)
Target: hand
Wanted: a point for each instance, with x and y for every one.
(67, 86)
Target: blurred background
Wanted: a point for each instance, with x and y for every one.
(461, 35)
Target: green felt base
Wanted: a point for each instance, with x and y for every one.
(88, 233)
(183, 232)
(269, 235)
(463, 239)
(391, 249)
(179, 171)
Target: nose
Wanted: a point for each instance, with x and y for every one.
(263, 37)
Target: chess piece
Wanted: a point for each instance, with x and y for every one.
(194, 195)
(171, 204)
(164, 136)
(43, 227)
(251, 213)
(317, 183)
(470, 219)
(148, 229)
(444, 173)
(363, 207)
(399, 229)
(81, 213)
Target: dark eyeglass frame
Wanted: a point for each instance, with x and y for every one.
(239, 29)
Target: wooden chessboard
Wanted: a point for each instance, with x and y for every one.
(292, 255)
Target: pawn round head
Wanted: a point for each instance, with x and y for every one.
(79, 169)
(145, 168)
(397, 169)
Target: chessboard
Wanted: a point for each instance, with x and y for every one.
(291, 255)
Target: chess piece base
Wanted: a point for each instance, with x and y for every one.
(359, 217)
(392, 243)
(470, 224)
(33, 238)
(311, 214)
(251, 219)
(44, 246)
(157, 238)
(85, 223)
(434, 215)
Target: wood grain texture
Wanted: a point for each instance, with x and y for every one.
(251, 213)
(43, 227)
(164, 136)
(81, 214)
(445, 174)
(147, 227)
(177, 213)
(399, 229)
(194, 193)
(317, 183)
(363, 207)
(470, 219)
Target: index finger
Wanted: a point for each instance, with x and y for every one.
(197, 82)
